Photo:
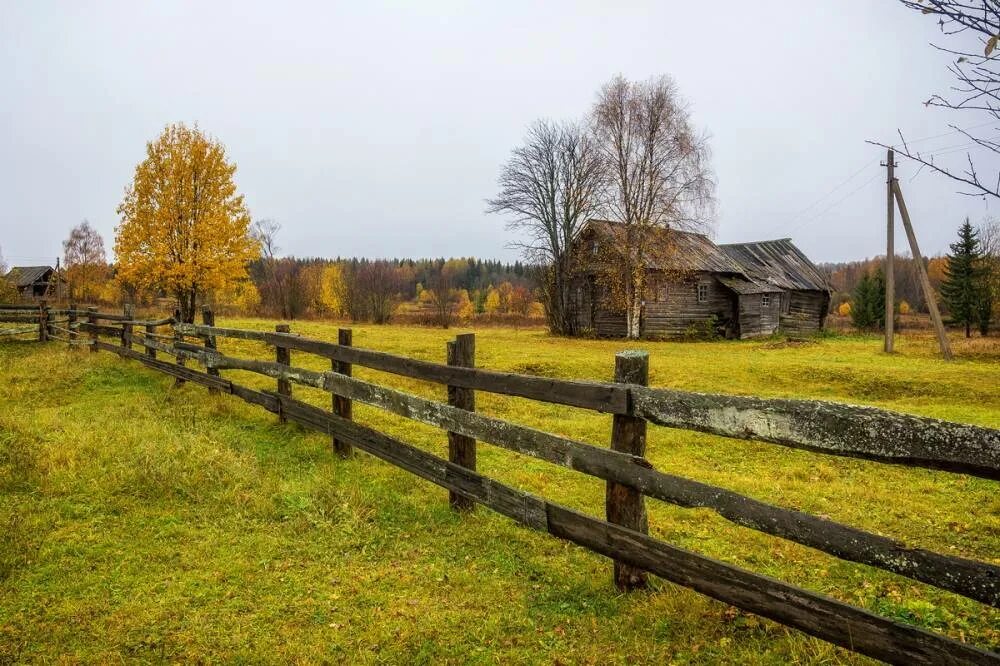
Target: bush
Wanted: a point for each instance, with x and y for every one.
(706, 329)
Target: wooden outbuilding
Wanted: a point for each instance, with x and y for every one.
(34, 283)
(695, 286)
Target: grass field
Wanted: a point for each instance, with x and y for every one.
(144, 522)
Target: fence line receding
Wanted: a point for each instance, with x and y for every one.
(826, 427)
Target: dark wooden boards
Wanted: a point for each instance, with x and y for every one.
(976, 580)
(815, 614)
(601, 397)
(828, 427)
(624, 504)
(462, 448)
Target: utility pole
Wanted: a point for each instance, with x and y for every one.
(890, 252)
(925, 282)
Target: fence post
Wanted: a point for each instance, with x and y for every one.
(626, 506)
(71, 325)
(462, 449)
(284, 356)
(150, 330)
(129, 312)
(208, 319)
(342, 405)
(92, 320)
(43, 324)
(178, 338)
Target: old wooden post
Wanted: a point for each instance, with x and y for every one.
(129, 312)
(43, 322)
(341, 405)
(71, 324)
(462, 449)
(178, 337)
(92, 321)
(208, 319)
(284, 356)
(150, 332)
(890, 255)
(925, 282)
(626, 506)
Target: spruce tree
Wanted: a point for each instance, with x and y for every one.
(868, 304)
(962, 288)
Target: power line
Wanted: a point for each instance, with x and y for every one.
(954, 131)
(836, 203)
(844, 182)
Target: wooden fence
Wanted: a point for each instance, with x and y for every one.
(826, 427)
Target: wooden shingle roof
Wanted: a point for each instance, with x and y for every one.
(777, 262)
(25, 276)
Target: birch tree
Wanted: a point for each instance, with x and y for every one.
(657, 177)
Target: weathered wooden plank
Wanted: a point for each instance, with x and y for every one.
(462, 448)
(598, 396)
(624, 505)
(101, 329)
(178, 371)
(15, 306)
(208, 318)
(973, 579)
(342, 406)
(222, 332)
(828, 427)
(19, 318)
(815, 614)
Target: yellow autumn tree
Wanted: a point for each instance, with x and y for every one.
(845, 309)
(492, 304)
(465, 309)
(184, 228)
(332, 289)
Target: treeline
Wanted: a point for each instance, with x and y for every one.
(844, 278)
(434, 291)
(965, 283)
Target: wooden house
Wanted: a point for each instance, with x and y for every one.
(33, 283)
(741, 290)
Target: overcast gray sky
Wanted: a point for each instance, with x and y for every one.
(378, 129)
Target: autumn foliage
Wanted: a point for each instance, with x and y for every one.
(184, 228)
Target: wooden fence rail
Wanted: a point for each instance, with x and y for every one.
(821, 426)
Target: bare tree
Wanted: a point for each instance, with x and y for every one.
(443, 295)
(374, 290)
(270, 277)
(550, 186)
(86, 263)
(658, 177)
(977, 87)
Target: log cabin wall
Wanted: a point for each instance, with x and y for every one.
(673, 307)
(806, 312)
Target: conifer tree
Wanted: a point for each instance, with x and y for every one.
(962, 288)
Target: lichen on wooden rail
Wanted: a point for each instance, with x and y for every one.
(973, 579)
(828, 427)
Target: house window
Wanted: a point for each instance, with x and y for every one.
(703, 293)
(765, 300)
(594, 247)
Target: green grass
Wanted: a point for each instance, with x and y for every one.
(139, 521)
